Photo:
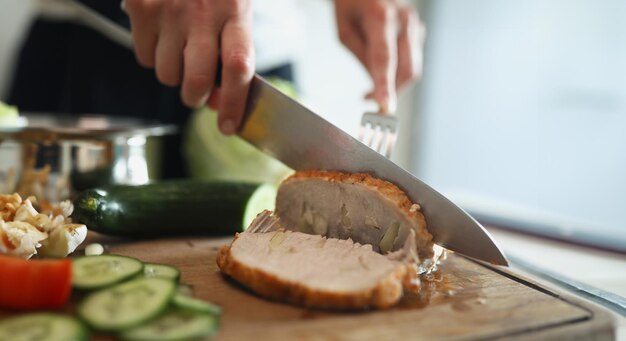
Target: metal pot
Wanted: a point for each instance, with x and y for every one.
(53, 157)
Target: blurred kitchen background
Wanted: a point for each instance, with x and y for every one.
(520, 116)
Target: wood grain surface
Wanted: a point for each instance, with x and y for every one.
(464, 300)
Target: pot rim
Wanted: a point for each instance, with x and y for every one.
(50, 127)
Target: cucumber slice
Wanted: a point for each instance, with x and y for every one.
(92, 272)
(190, 303)
(42, 327)
(263, 198)
(161, 271)
(175, 325)
(128, 304)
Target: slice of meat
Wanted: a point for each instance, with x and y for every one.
(356, 206)
(316, 271)
(337, 240)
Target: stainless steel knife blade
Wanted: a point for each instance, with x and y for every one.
(293, 134)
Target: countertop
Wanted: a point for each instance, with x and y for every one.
(601, 269)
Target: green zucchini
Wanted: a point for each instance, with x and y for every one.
(161, 271)
(172, 207)
(128, 304)
(93, 272)
(175, 325)
(42, 327)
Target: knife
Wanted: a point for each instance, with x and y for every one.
(285, 129)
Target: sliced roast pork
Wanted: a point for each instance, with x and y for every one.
(316, 271)
(336, 240)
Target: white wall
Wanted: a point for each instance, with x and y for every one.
(332, 81)
(524, 111)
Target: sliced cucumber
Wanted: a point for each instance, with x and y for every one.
(190, 303)
(262, 199)
(42, 327)
(161, 271)
(92, 272)
(128, 304)
(175, 325)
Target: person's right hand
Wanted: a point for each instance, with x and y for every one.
(184, 39)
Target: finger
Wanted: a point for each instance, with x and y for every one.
(353, 39)
(237, 71)
(409, 47)
(144, 16)
(169, 49)
(200, 67)
(381, 35)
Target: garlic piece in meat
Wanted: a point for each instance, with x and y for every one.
(320, 224)
(308, 215)
(345, 219)
(277, 239)
(386, 242)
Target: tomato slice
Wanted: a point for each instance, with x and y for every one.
(34, 284)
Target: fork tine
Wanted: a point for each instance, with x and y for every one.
(364, 129)
(391, 142)
(382, 137)
(384, 141)
(370, 140)
(378, 132)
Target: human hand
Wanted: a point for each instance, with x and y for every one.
(184, 39)
(387, 38)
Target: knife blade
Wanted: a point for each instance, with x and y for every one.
(293, 134)
(285, 129)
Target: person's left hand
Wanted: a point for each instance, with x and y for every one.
(387, 38)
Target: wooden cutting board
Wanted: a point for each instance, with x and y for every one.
(465, 300)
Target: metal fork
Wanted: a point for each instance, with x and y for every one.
(378, 131)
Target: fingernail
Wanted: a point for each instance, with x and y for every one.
(203, 101)
(385, 107)
(227, 127)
